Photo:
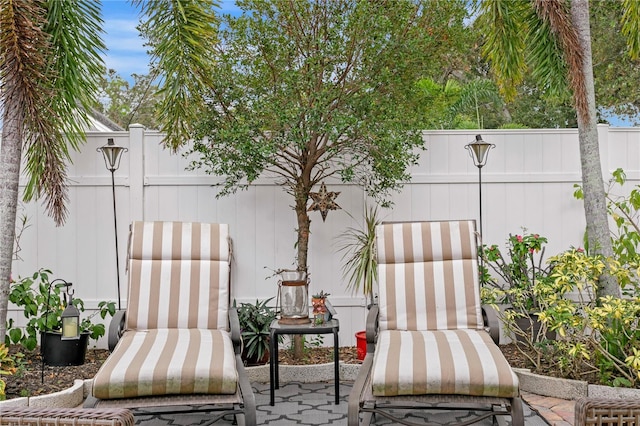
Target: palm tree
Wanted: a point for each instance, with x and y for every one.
(473, 96)
(552, 38)
(50, 70)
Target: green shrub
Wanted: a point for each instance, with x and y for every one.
(42, 304)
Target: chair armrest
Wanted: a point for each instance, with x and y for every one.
(116, 328)
(234, 325)
(491, 323)
(372, 328)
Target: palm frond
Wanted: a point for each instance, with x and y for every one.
(473, 95)
(27, 91)
(75, 28)
(360, 267)
(631, 26)
(545, 57)
(504, 44)
(557, 14)
(23, 47)
(48, 54)
(182, 35)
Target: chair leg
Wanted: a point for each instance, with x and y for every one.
(248, 398)
(353, 410)
(367, 418)
(353, 413)
(517, 412)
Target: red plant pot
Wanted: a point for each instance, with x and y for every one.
(361, 344)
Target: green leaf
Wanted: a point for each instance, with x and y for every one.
(578, 194)
(15, 334)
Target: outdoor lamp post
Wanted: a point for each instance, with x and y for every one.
(70, 319)
(112, 154)
(479, 152)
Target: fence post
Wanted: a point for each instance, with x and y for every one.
(136, 171)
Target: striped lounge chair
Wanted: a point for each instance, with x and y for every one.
(426, 343)
(179, 341)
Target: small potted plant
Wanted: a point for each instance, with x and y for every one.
(255, 320)
(319, 304)
(43, 305)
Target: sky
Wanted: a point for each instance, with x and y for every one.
(125, 48)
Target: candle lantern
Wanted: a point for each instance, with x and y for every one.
(70, 321)
(293, 297)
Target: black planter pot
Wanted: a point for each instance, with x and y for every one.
(254, 360)
(61, 353)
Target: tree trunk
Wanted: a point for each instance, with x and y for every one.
(595, 208)
(10, 154)
(304, 225)
(302, 244)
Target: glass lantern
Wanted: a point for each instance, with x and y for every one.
(293, 291)
(70, 322)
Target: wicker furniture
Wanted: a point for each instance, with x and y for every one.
(179, 341)
(426, 342)
(27, 416)
(607, 412)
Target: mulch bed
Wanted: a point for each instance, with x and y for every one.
(28, 379)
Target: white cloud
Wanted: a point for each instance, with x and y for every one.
(126, 53)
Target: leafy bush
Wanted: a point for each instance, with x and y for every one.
(7, 368)
(518, 272)
(598, 334)
(43, 305)
(624, 210)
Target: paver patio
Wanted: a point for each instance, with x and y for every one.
(309, 404)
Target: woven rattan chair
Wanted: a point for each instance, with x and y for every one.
(607, 412)
(426, 343)
(179, 341)
(31, 416)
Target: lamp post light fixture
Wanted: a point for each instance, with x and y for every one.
(70, 318)
(112, 154)
(479, 152)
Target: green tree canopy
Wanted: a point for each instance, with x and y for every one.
(616, 72)
(126, 103)
(309, 90)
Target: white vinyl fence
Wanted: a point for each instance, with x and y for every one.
(528, 182)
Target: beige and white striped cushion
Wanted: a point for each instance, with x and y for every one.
(168, 362)
(428, 276)
(178, 276)
(446, 362)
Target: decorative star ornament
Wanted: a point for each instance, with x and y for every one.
(323, 201)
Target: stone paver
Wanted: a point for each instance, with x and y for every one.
(557, 412)
(313, 404)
